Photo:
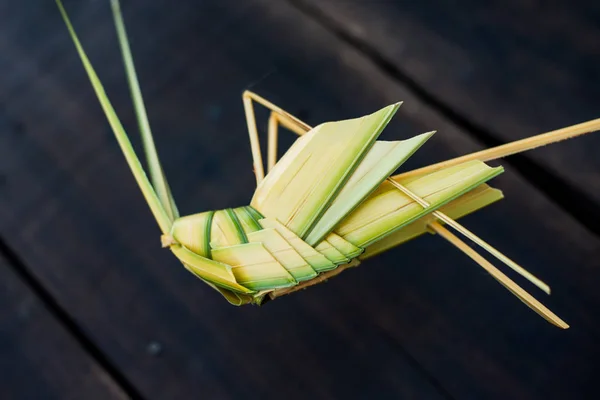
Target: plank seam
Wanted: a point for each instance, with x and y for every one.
(68, 323)
(570, 199)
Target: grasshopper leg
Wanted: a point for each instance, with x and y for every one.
(278, 117)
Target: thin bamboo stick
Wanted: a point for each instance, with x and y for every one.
(291, 124)
(512, 147)
(500, 277)
(273, 139)
(467, 233)
(253, 96)
(259, 171)
(284, 118)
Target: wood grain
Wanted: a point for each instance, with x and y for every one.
(40, 359)
(503, 70)
(418, 322)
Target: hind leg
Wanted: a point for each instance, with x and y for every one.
(278, 117)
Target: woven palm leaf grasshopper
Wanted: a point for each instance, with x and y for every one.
(328, 204)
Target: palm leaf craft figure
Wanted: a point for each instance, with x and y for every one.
(327, 205)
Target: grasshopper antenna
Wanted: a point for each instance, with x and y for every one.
(511, 148)
(157, 175)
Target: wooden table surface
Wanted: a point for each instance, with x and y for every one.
(92, 307)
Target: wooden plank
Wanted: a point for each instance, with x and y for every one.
(391, 328)
(40, 359)
(504, 70)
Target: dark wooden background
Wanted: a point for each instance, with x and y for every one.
(92, 307)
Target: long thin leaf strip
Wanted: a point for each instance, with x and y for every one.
(480, 197)
(333, 254)
(157, 175)
(283, 252)
(249, 224)
(300, 187)
(254, 213)
(225, 232)
(234, 298)
(238, 226)
(379, 163)
(343, 246)
(316, 260)
(208, 233)
(191, 231)
(254, 267)
(218, 273)
(161, 216)
(387, 210)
